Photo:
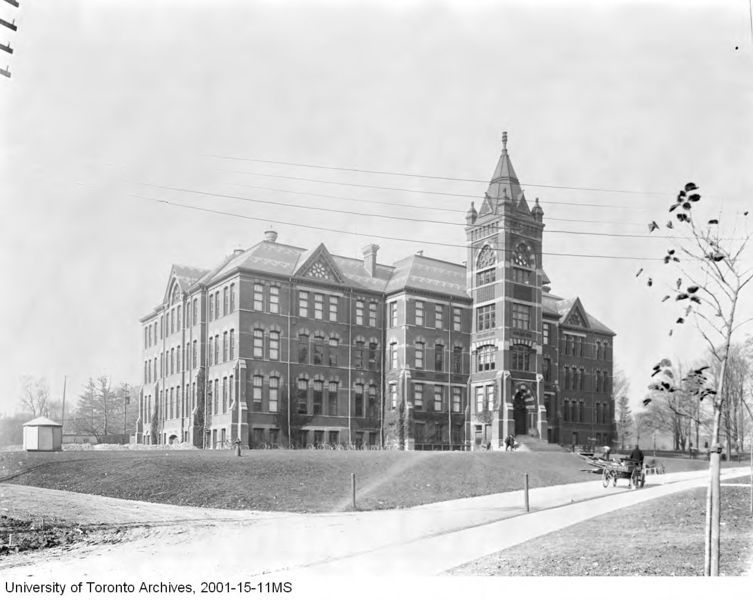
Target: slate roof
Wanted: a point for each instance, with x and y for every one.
(430, 275)
(284, 261)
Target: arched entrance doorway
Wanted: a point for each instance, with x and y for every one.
(522, 399)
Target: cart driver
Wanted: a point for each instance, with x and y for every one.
(637, 455)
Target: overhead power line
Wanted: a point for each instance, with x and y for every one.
(369, 235)
(414, 191)
(417, 206)
(423, 176)
(391, 217)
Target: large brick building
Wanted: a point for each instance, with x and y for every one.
(279, 345)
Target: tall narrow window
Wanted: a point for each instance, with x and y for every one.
(274, 299)
(372, 410)
(333, 346)
(195, 311)
(358, 354)
(303, 348)
(232, 344)
(302, 398)
(438, 357)
(456, 399)
(358, 401)
(258, 297)
(318, 306)
(195, 354)
(258, 348)
(332, 398)
(318, 396)
(274, 345)
(479, 400)
(521, 358)
(274, 393)
(225, 346)
(456, 319)
(457, 359)
(490, 399)
(420, 350)
(546, 332)
(372, 314)
(438, 398)
(318, 350)
(232, 297)
(230, 390)
(418, 396)
(373, 356)
(439, 316)
(521, 316)
(303, 304)
(393, 355)
(393, 314)
(333, 305)
(393, 395)
(419, 312)
(217, 304)
(225, 300)
(359, 312)
(224, 395)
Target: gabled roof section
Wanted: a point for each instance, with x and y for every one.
(429, 275)
(184, 276)
(563, 310)
(576, 316)
(319, 264)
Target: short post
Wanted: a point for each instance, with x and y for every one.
(526, 493)
(353, 488)
(237, 445)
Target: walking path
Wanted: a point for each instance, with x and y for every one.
(425, 540)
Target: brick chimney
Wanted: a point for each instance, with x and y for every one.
(270, 235)
(370, 258)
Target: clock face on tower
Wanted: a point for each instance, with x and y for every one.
(522, 256)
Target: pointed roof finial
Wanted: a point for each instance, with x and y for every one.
(504, 140)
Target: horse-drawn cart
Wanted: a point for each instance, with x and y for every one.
(612, 470)
(624, 469)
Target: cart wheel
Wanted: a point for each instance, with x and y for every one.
(605, 478)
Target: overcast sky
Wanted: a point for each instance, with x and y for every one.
(108, 96)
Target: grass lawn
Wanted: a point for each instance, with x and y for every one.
(300, 480)
(657, 537)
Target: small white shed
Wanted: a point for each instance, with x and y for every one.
(43, 435)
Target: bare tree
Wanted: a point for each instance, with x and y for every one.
(35, 395)
(624, 421)
(710, 279)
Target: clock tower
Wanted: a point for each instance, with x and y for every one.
(504, 278)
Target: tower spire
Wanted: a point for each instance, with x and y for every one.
(504, 141)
